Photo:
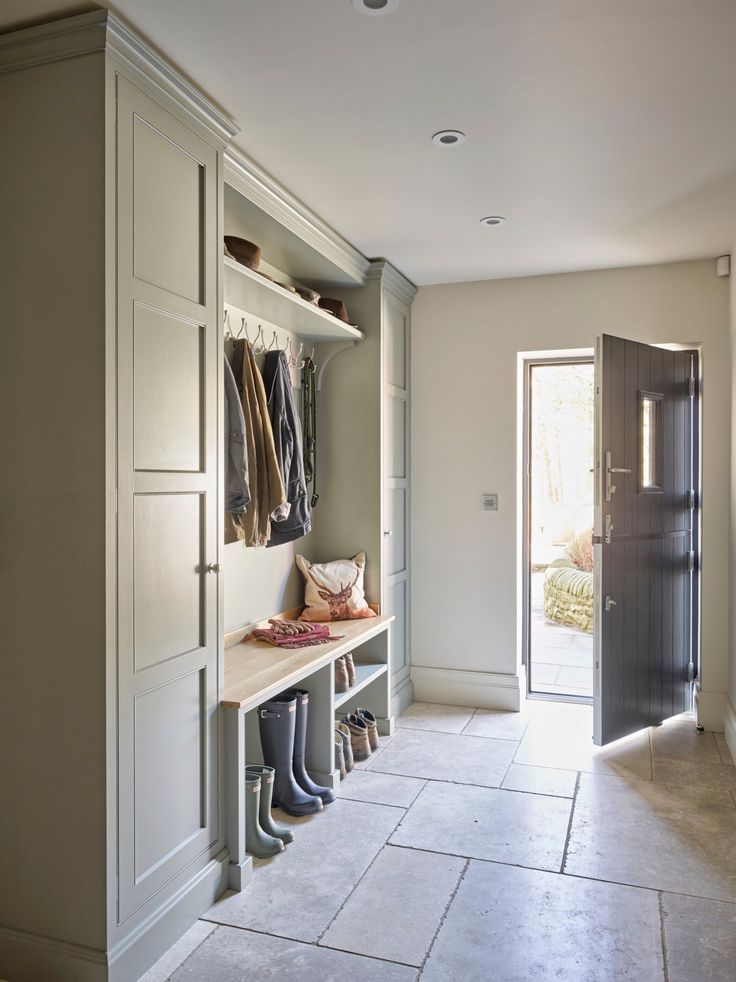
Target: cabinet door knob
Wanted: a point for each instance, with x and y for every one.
(213, 567)
(387, 532)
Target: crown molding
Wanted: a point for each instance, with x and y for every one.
(102, 31)
(392, 279)
(257, 186)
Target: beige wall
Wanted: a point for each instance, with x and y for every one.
(464, 442)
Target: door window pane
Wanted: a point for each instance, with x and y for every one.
(649, 416)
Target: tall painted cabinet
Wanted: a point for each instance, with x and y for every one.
(111, 828)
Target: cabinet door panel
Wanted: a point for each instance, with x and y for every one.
(396, 438)
(167, 379)
(168, 210)
(395, 336)
(397, 539)
(396, 603)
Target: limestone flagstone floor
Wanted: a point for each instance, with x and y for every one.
(498, 846)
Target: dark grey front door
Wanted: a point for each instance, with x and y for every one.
(645, 510)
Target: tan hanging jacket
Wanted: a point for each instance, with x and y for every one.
(266, 484)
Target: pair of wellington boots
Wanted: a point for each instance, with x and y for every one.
(362, 727)
(343, 749)
(263, 837)
(282, 722)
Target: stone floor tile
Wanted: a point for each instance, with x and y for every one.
(446, 757)
(429, 716)
(540, 780)
(397, 906)
(167, 964)
(703, 773)
(681, 839)
(487, 823)
(700, 936)
(498, 724)
(382, 789)
(518, 925)
(297, 893)
(679, 739)
(561, 735)
(383, 743)
(232, 955)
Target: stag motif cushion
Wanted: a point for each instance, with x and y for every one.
(334, 591)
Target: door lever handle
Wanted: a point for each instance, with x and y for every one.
(619, 470)
(609, 604)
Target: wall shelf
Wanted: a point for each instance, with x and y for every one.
(265, 301)
(364, 675)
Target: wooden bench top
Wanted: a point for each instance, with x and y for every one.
(255, 670)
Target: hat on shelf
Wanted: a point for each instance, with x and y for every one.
(311, 296)
(244, 252)
(337, 308)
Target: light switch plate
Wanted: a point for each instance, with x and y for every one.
(490, 502)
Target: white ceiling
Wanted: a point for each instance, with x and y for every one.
(604, 130)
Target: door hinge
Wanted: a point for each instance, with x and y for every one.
(691, 673)
(692, 386)
(691, 562)
(692, 499)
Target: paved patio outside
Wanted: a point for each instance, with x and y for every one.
(561, 657)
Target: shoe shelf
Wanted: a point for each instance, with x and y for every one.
(255, 672)
(263, 300)
(364, 675)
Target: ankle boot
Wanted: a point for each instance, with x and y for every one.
(342, 682)
(257, 842)
(347, 748)
(277, 724)
(265, 818)
(339, 755)
(358, 736)
(350, 666)
(370, 721)
(300, 742)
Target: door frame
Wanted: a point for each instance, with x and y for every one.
(530, 361)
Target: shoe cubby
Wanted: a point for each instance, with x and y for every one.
(255, 674)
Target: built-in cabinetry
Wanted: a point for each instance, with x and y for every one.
(112, 836)
(115, 831)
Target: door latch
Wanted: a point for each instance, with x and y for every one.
(611, 488)
(609, 603)
(608, 530)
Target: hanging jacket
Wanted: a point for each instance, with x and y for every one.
(266, 486)
(237, 490)
(287, 434)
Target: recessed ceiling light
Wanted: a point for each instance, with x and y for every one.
(448, 138)
(492, 220)
(374, 7)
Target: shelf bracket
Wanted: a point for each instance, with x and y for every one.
(339, 346)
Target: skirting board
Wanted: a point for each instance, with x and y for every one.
(730, 728)
(30, 958)
(402, 696)
(710, 709)
(451, 687)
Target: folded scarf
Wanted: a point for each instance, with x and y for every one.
(294, 634)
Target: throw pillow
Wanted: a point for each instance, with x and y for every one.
(334, 591)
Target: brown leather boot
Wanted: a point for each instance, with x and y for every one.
(370, 721)
(350, 666)
(339, 755)
(358, 736)
(342, 730)
(342, 679)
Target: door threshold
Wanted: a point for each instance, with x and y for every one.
(559, 697)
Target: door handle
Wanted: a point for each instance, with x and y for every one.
(387, 532)
(611, 488)
(213, 567)
(609, 604)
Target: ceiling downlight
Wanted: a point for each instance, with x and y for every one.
(448, 138)
(493, 220)
(375, 8)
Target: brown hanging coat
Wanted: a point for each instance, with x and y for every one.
(266, 484)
